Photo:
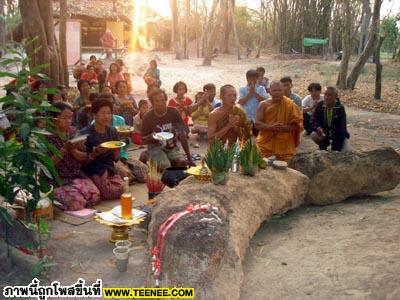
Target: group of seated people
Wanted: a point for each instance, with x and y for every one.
(267, 110)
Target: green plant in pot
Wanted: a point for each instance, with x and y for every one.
(250, 157)
(219, 160)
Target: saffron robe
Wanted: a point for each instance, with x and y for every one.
(281, 144)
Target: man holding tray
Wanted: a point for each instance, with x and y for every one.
(161, 129)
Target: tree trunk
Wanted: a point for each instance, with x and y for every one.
(365, 24)
(211, 43)
(227, 27)
(37, 20)
(63, 40)
(176, 36)
(262, 29)
(378, 75)
(207, 28)
(331, 31)
(231, 8)
(346, 45)
(197, 29)
(369, 48)
(274, 24)
(2, 24)
(187, 18)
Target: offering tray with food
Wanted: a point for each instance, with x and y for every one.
(163, 136)
(120, 226)
(113, 145)
(200, 172)
(125, 130)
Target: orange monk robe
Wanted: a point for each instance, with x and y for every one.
(281, 144)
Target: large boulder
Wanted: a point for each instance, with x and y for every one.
(206, 252)
(335, 176)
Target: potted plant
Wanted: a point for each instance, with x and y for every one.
(250, 157)
(219, 160)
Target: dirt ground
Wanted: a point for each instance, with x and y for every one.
(344, 251)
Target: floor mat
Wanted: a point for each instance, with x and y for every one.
(61, 216)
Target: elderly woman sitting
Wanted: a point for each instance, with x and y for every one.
(77, 191)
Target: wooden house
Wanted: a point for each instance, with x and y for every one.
(87, 20)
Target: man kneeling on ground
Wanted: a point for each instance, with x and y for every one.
(329, 122)
(167, 119)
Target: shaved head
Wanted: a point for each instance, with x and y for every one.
(276, 83)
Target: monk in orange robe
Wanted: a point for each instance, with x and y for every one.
(280, 122)
(228, 122)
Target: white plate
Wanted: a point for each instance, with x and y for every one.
(163, 136)
(79, 138)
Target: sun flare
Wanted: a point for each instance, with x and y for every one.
(139, 32)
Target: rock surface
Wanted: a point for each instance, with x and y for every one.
(336, 176)
(206, 254)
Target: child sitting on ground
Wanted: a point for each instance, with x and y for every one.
(181, 102)
(152, 76)
(138, 120)
(200, 116)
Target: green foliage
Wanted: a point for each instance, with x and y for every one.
(250, 157)
(248, 25)
(218, 158)
(390, 30)
(25, 157)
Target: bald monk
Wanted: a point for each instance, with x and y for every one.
(280, 123)
(228, 122)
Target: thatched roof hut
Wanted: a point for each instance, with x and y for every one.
(95, 16)
(112, 10)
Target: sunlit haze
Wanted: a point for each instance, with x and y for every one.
(163, 6)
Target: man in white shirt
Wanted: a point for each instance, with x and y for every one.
(309, 104)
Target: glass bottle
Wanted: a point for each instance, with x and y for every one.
(126, 201)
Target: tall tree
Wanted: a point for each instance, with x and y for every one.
(366, 19)
(37, 21)
(231, 8)
(176, 34)
(263, 17)
(196, 15)
(346, 44)
(212, 41)
(331, 31)
(227, 26)
(378, 67)
(369, 47)
(2, 23)
(186, 42)
(63, 39)
(207, 26)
